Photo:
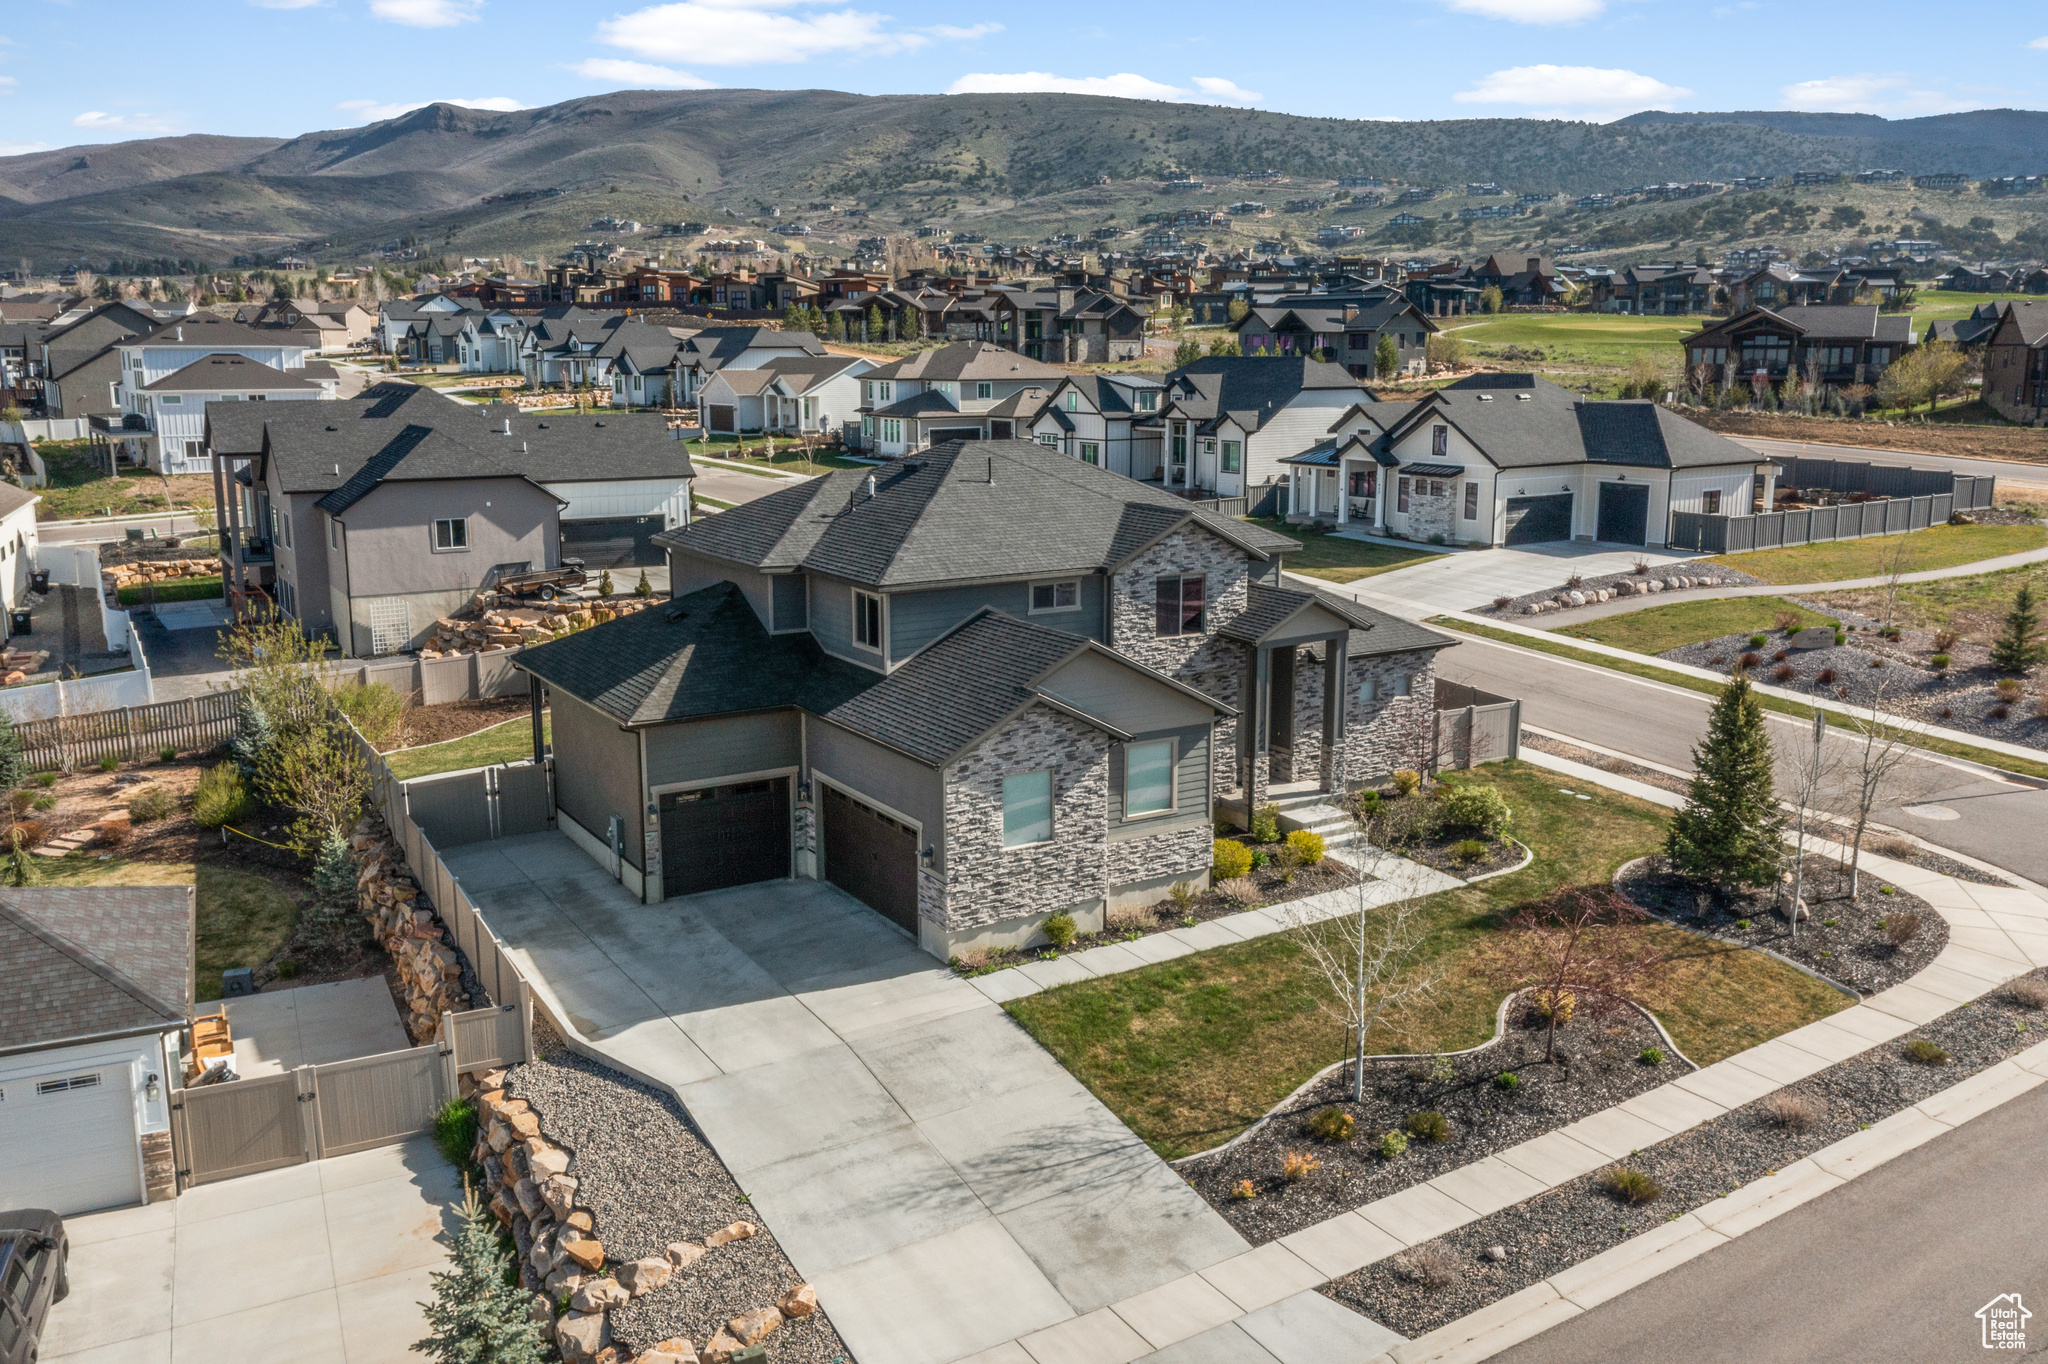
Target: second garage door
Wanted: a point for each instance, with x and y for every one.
(70, 1141)
(1624, 513)
(870, 856)
(1533, 520)
(721, 836)
(613, 542)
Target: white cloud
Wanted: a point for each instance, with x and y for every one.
(1531, 11)
(2039, 42)
(370, 111)
(1124, 85)
(426, 13)
(7, 84)
(638, 75)
(1591, 90)
(953, 33)
(748, 32)
(10, 148)
(1865, 93)
(286, 4)
(120, 123)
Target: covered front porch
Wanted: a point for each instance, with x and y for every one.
(1337, 484)
(1291, 725)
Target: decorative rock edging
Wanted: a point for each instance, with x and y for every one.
(436, 975)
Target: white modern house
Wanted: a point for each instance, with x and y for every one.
(1228, 423)
(819, 394)
(167, 376)
(971, 390)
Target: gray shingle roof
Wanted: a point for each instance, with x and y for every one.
(1520, 421)
(94, 959)
(233, 374)
(937, 518)
(1249, 389)
(968, 360)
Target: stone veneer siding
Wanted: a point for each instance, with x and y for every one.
(1183, 852)
(1209, 663)
(1429, 516)
(981, 881)
(159, 1167)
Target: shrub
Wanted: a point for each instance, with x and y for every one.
(1925, 1052)
(1640, 567)
(30, 833)
(1575, 581)
(1782, 673)
(1228, 860)
(1651, 1056)
(1507, 1080)
(1260, 857)
(1544, 1003)
(604, 583)
(375, 709)
(1242, 889)
(1333, 1125)
(168, 753)
(1244, 1190)
(151, 804)
(287, 967)
(1631, 1185)
(1266, 824)
(1479, 807)
(1183, 896)
(1945, 640)
(1296, 1166)
(1780, 656)
(1059, 930)
(1468, 850)
(1757, 641)
(115, 831)
(1427, 1266)
(43, 803)
(1786, 622)
(1503, 603)
(1938, 662)
(222, 797)
(643, 588)
(45, 779)
(1407, 782)
(1393, 1144)
(1901, 926)
(1826, 677)
(1428, 1126)
(1749, 659)
(1308, 848)
(2029, 992)
(1793, 1112)
(109, 763)
(1369, 803)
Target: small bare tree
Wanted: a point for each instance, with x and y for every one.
(1874, 772)
(1811, 767)
(1583, 950)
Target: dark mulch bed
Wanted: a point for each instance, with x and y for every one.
(1579, 1220)
(1901, 851)
(1842, 940)
(1603, 1068)
(1441, 854)
(1412, 826)
(453, 719)
(1275, 888)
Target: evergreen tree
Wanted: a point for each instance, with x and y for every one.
(1729, 832)
(334, 872)
(1386, 358)
(18, 868)
(254, 735)
(913, 324)
(835, 329)
(13, 767)
(476, 1315)
(1225, 346)
(1187, 352)
(871, 329)
(2018, 647)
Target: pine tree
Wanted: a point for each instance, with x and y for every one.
(334, 874)
(1187, 352)
(18, 868)
(1386, 358)
(254, 735)
(1729, 832)
(13, 767)
(476, 1315)
(2018, 647)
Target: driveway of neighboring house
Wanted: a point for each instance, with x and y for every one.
(1473, 578)
(929, 1168)
(734, 485)
(321, 1263)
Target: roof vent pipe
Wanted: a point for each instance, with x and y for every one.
(991, 471)
(871, 485)
(181, 332)
(508, 426)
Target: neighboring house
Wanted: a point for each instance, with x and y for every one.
(1824, 344)
(1970, 333)
(99, 990)
(81, 369)
(970, 390)
(19, 543)
(331, 325)
(489, 343)
(1070, 324)
(638, 362)
(170, 374)
(819, 394)
(2016, 364)
(1096, 419)
(405, 326)
(1346, 329)
(704, 353)
(1512, 459)
(1228, 422)
(1655, 290)
(21, 363)
(371, 518)
(973, 688)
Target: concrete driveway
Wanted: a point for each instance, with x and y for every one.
(321, 1263)
(1474, 577)
(939, 1178)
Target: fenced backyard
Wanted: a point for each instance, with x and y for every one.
(1883, 499)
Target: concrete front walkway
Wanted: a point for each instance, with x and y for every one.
(321, 1263)
(1472, 579)
(940, 1179)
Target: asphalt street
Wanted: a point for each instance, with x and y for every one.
(1992, 818)
(735, 486)
(1889, 1269)
(181, 523)
(2006, 470)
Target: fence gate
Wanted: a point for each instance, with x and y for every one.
(240, 1128)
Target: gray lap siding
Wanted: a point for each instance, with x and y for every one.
(603, 777)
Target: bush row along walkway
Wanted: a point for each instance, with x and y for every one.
(1256, 1306)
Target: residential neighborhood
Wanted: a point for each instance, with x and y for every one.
(670, 716)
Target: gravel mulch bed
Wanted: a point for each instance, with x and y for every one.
(1667, 574)
(649, 1178)
(1842, 940)
(1603, 1068)
(1899, 850)
(1867, 667)
(1579, 1220)
(1275, 888)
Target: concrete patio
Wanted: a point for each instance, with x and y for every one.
(321, 1263)
(281, 1030)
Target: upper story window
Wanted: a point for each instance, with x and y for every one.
(1439, 440)
(882, 391)
(984, 389)
(1061, 596)
(1027, 809)
(1073, 401)
(451, 533)
(1178, 604)
(1050, 439)
(867, 620)
(169, 399)
(1471, 501)
(1233, 457)
(945, 388)
(1148, 400)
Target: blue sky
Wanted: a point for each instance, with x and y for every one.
(283, 67)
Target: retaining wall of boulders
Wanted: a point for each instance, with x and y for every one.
(158, 571)
(430, 967)
(1643, 587)
(497, 624)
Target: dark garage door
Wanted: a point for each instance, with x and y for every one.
(1624, 513)
(1533, 520)
(946, 433)
(617, 542)
(870, 856)
(721, 417)
(724, 836)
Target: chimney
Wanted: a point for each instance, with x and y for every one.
(1535, 264)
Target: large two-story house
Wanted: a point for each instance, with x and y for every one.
(712, 349)
(795, 394)
(2016, 363)
(1226, 423)
(170, 374)
(1823, 343)
(970, 390)
(1345, 329)
(80, 369)
(1104, 419)
(974, 688)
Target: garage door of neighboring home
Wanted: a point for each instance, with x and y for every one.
(1624, 513)
(615, 542)
(871, 857)
(1533, 520)
(720, 836)
(946, 433)
(721, 417)
(69, 1138)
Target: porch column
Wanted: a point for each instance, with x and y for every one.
(1258, 717)
(1293, 486)
(1382, 487)
(237, 589)
(1331, 773)
(1343, 493)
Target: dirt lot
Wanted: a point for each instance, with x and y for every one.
(453, 719)
(1938, 438)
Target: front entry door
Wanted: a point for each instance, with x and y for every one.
(1280, 717)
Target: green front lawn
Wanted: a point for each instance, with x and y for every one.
(1657, 628)
(505, 743)
(1337, 559)
(1192, 1051)
(1973, 606)
(184, 589)
(1596, 339)
(1842, 560)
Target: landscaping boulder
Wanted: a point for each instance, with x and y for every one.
(754, 1326)
(737, 1231)
(580, 1335)
(683, 1254)
(674, 1350)
(800, 1301)
(720, 1349)
(547, 1161)
(1814, 637)
(585, 1252)
(599, 1295)
(644, 1275)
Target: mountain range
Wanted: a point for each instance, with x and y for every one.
(462, 181)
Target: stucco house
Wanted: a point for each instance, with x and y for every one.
(81, 370)
(372, 517)
(1105, 419)
(974, 688)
